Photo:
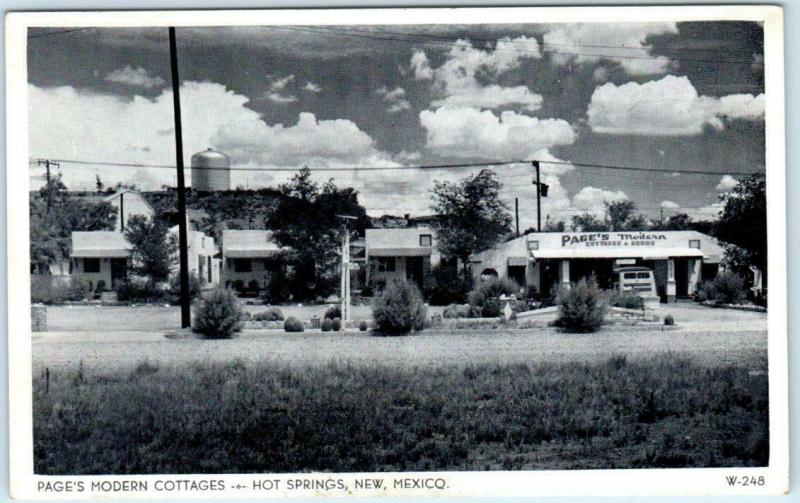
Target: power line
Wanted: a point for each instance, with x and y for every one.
(60, 32)
(419, 167)
(376, 36)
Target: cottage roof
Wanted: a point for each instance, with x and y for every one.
(249, 244)
(97, 244)
(116, 195)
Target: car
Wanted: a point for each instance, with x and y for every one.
(637, 279)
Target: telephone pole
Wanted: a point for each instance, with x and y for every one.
(47, 163)
(538, 198)
(516, 213)
(186, 319)
(345, 278)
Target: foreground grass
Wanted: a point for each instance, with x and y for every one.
(660, 412)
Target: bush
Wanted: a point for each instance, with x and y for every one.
(725, 288)
(271, 314)
(333, 312)
(77, 290)
(363, 326)
(51, 290)
(461, 311)
(669, 320)
(292, 324)
(217, 314)
(398, 309)
(581, 308)
(195, 287)
(277, 290)
(492, 288)
(327, 325)
(444, 285)
(491, 308)
(336, 324)
(627, 300)
(137, 291)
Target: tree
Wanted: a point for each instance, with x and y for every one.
(306, 221)
(554, 226)
(152, 248)
(98, 183)
(743, 222)
(470, 217)
(51, 231)
(622, 216)
(588, 223)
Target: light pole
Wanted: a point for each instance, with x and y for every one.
(345, 276)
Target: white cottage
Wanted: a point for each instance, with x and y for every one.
(406, 253)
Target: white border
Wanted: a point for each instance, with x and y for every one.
(500, 483)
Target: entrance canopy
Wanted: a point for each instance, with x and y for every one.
(613, 253)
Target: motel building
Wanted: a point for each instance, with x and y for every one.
(249, 258)
(403, 253)
(679, 260)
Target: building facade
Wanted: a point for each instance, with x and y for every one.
(249, 258)
(680, 260)
(402, 253)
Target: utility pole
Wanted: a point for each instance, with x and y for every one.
(345, 276)
(186, 319)
(538, 198)
(516, 212)
(47, 163)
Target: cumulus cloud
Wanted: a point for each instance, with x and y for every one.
(727, 183)
(456, 80)
(138, 77)
(312, 87)
(395, 99)
(69, 123)
(670, 205)
(623, 43)
(276, 88)
(468, 132)
(421, 65)
(670, 106)
(593, 200)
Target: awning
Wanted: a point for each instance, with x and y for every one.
(251, 253)
(653, 253)
(400, 252)
(100, 253)
(518, 261)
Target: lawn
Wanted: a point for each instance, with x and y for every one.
(241, 417)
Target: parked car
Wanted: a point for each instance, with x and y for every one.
(636, 279)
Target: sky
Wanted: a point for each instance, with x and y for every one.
(685, 96)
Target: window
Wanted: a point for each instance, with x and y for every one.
(386, 264)
(629, 275)
(242, 265)
(91, 265)
(425, 240)
(533, 245)
(694, 243)
(643, 275)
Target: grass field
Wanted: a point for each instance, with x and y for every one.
(659, 411)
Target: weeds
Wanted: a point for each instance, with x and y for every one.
(270, 418)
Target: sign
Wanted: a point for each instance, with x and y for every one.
(611, 239)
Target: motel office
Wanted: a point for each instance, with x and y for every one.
(680, 260)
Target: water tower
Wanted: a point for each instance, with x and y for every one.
(211, 170)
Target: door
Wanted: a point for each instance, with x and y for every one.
(681, 277)
(119, 271)
(414, 270)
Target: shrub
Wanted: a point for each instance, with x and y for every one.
(333, 312)
(627, 300)
(292, 324)
(444, 285)
(336, 324)
(195, 287)
(725, 288)
(492, 288)
(461, 311)
(271, 314)
(398, 309)
(581, 308)
(77, 290)
(146, 291)
(327, 325)
(217, 315)
(277, 290)
(491, 308)
(669, 320)
(363, 326)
